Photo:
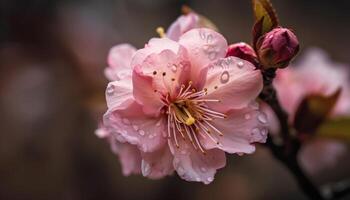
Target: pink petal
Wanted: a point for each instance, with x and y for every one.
(192, 165)
(118, 92)
(145, 93)
(136, 127)
(157, 164)
(240, 129)
(129, 155)
(119, 60)
(167, 69)
(274, 126)
(234, 82)
(204, 46)
(182, 24)
(155, 45)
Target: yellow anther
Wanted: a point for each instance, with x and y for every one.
(190, 121)
(160, 31)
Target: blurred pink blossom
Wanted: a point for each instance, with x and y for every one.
(183, 105)
(314, 74)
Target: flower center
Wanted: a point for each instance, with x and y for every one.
(189, 117)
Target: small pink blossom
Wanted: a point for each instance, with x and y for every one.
(314, 74)
(277, 48)
(242, 50)
(183, 105)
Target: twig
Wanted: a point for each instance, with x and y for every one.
(288, 150)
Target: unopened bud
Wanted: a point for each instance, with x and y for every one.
(277, 48)
(242, 50)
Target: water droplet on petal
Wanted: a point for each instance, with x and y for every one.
(165, 134)
(210, 179)
(240, 64)
(209, 38)
(135, 127)
(262, 118)
(142, 132)
(240, 153)
(264, 131)
(247, 116)
(225, 77)
(254, 105)
(212, 55)
(180, 171)
(110, 90)
(174, 68)
(255, 131)
(145, 168)
(126, 121)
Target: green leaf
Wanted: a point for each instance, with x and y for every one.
(313, 110)
(265, 18)
(336, 128)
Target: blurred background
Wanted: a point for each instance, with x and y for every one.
(52, 56)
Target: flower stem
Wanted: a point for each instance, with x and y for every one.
(286, 152)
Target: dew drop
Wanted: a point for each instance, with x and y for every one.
(240, 153)
(264, 132)
(180, 171)
(254, 105)
(262, 118)
(255, 132)
(224, 78)
(203, 169)
(247, 116)
(142, 132)
(210, 179)
(145, 168)
(110, 90)
(209, 38)
(212, 55)
(240, 64)
(126, 121)
(135, 127)
(174, 68)
(202, 34)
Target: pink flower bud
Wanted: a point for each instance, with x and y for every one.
(242, 50)
(277, 48)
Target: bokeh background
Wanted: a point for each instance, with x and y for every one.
(52, 56)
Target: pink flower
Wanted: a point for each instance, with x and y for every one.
(183, 105)
(315, 74)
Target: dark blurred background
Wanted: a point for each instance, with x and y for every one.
(52, 56)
